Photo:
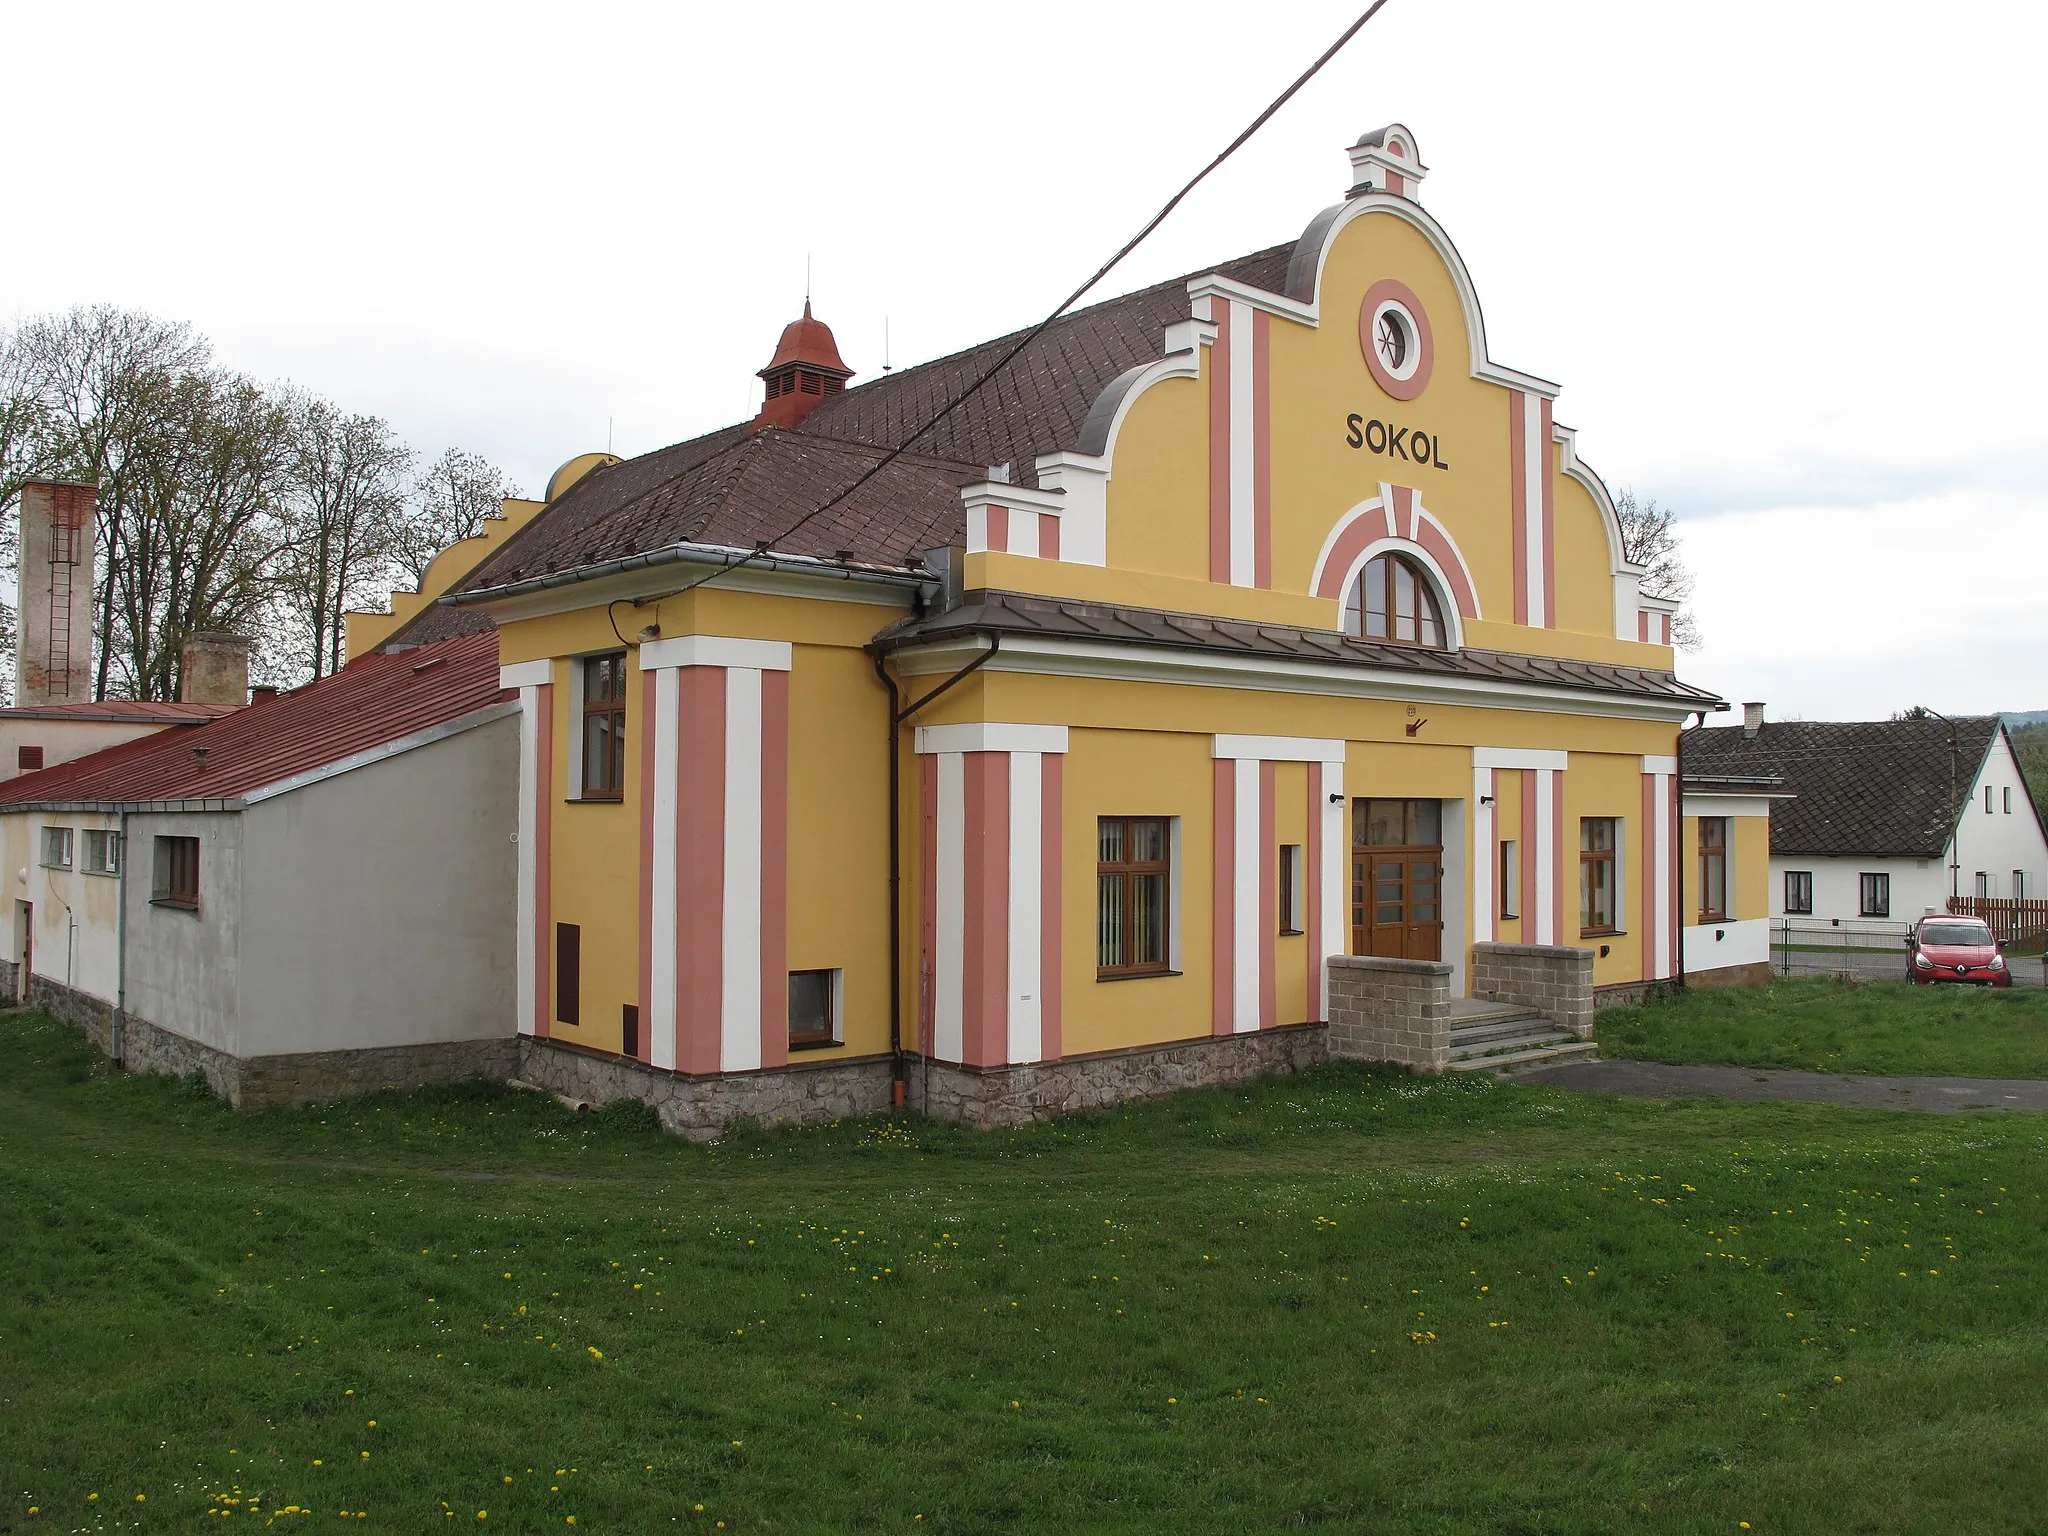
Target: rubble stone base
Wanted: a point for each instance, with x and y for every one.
(1633, 994)
(702, 1106)
(993, 1097)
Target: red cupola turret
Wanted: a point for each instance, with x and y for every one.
(805, 370)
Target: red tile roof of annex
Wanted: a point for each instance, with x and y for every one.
(379, 698)
(147, 711)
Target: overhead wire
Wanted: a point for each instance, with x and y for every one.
(1028, 337)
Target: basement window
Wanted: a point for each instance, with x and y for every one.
(814, 1009)
(102, 852)
(175, 881)
(56, 847)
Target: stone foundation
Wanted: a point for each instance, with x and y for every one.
(1632, 994)
(1758, 974)
(267, 1082)
(993, 1097)
(1391, 1010)
(1549, 979)
(700, 1107)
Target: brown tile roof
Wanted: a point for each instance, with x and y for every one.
(1875, 787)
(378, 699)
(733, 489)
(147, 710)
(1011, 613)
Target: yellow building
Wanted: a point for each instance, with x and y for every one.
(1241, 622)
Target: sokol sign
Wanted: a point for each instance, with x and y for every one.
(1410, 443)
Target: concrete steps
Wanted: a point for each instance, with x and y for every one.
(1485, 1038)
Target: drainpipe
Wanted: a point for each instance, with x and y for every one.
(896, 718)
(1955, 810)
(118, 1030)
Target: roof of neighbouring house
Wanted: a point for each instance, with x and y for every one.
(1875, 787)
(127, 711)
(373, 702)
(735, 488)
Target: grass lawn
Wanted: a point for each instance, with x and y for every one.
(1353, 1300)
(1824, 1025)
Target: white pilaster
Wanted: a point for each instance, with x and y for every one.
(531, 808)
(1243, 418)
(1483, 870)
(1249, 861)
(1535, 461)
(1546, 851)
(740, 944)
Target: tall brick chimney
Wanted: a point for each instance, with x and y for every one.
(53, 645)
(213, 668)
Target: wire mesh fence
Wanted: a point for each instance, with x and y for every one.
(1865, 950)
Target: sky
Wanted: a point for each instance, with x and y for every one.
(1783, 258)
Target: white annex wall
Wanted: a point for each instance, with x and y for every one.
(2005, 838)
(77, 915)
(1918, 885)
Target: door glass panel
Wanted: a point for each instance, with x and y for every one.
(1385, 823)
(1425, 822)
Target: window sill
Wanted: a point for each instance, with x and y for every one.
(175, 903)
(1293, 933)
(105, 874)
(594, 800)
(1133, 975)
(815, 1045)
(1603, 933)
(65, 867)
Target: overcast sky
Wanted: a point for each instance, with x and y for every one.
(1784, 258)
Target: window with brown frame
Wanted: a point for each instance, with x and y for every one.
(175, 881)
(1133, 875)
(28, 759)
(568, 973)
(1510, 878)
(604, 727)
(1596, 875)
(813, 1009)
(1395, 599)
(1290, 893)
(1713, 869)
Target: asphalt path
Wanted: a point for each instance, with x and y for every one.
(1656, 1080)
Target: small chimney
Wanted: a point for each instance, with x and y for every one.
(1385, 161)
(53, 644)
(213, 668)
(1752, 718)
(805, 370)
(262, 693)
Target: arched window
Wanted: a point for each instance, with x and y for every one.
(1394, 599)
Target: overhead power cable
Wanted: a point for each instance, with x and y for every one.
(1028, 337)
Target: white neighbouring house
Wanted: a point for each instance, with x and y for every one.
(1882, 820)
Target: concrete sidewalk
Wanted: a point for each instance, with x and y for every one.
(1655, 1080)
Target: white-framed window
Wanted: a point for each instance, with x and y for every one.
(1799, 892)
(1983, 884)
(102, 852)
(1874, 895)
(1291, 866)
(2019, 885)
(1987, 799)
(817, 1009)
(2006, 798)
(56, 847)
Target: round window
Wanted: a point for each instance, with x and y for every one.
(1392, 339)
(1393, 333)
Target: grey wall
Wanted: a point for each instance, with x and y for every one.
(183, 966)
(379, 906)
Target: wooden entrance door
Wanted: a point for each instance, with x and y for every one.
(1397, 860)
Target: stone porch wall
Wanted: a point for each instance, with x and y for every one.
(1391, 1010)
(1550, 979)
(992, 1097)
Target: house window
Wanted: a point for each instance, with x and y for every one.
(1132, 868)
(1987, 799)
(56, 847)
(1983, 885)
(568, 974)
(813, 1009)
(1874, 895)
(1713, 869)
(604, 726)
(2019, 885)
(102, 852)
(2005, 796)
(1596, 874)
(1290, 888)
(1511, 879)
(1394, 599)
(28, 759)
(175, 880)
(1799, 892)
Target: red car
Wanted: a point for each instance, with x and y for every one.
(1955, 949)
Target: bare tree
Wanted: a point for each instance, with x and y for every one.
(103, 380)
(1649, 537)
(199, 527)
(346, 495)
(452, 499)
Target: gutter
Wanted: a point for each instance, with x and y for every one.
(719, 556)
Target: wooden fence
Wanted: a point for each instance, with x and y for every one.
(2011, 920)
